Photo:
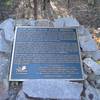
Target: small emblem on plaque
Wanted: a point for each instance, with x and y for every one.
(22, 69)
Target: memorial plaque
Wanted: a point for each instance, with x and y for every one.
(45, 53)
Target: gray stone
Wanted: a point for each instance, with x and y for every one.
(96, 55)
(98, 83)
(3, 68)
(21, 96)
(92, 93)
(65, 22)
(82, 31)
(54, 89)
(92, 65)
(8, 27)
(4, 45)
(22, 22)
(32, 22)
(85, 43)
(93, 54)
(4, 90)
(43, 23)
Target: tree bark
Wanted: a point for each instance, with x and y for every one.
(35, 9)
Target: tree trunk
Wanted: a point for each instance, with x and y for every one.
(35, 9)
(97, 5)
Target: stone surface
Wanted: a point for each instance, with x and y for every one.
(96, 55)
(4, 45)
(85, 43)
(21, 96)
(92, 93)
(54, 89)
(43, 23)
(65, 22)
(4, 84)
(22, 22)
(85, 39)
(4, 90)
(8, 28)
(92, 65)
(82, 31)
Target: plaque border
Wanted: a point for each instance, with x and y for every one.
(13, 49)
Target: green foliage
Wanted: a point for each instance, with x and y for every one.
(6, 3)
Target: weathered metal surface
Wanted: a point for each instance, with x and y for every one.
(45, 53)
